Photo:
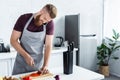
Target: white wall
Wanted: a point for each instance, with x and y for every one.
(112, 21)
(111, 17)
(90, 11)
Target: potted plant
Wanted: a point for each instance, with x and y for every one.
(106, 51)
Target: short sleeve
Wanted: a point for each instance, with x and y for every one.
(19, 24)
(50, 28)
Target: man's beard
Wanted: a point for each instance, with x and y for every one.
(37, 21)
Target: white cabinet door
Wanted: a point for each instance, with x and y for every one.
(56, 60)
(5, 68)
(13, 60)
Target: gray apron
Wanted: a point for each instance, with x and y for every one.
(33, 43)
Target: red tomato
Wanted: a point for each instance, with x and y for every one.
(27, 78)
(34, 75)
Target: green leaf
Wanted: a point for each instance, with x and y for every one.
(115, 35)
(118, 35)
(117, 47)
(115, 58)
(114, 32)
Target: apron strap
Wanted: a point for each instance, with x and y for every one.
(28, 22)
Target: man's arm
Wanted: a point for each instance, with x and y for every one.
(47, 52)
(14, 40)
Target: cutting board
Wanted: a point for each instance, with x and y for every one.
(35, 76)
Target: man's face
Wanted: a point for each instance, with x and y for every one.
(43, 17)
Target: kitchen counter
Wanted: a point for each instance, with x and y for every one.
(7, 59)
(8, 55)
(79, 73)
(12, 54)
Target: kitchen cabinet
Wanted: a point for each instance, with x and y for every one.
(12, 62)
(7, 60)
(6, 63)
(5, 67)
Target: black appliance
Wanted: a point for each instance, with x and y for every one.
(74, 29)
(59, 41)
(72, 32)
(4, 48)
(68, 59)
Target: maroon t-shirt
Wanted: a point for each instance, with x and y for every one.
(22, 20)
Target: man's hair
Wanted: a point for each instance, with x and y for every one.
(51, 9)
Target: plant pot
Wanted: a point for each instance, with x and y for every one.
(104, 70)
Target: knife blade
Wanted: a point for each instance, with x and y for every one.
(35, 67)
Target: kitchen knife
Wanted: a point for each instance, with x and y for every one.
(72, 46)
(35, 67)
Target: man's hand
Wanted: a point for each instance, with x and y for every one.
(44, 70)
(29, 60)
